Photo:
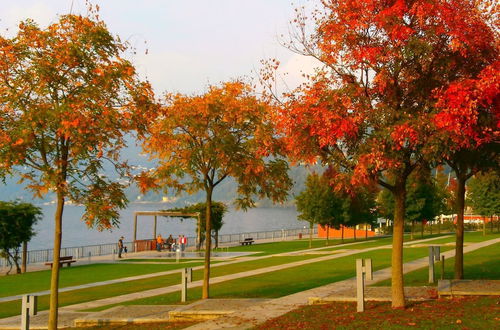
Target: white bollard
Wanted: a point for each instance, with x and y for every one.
(363, 268)
(434, 255)
(29, 308)
(187, 277)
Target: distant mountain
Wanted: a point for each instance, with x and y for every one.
(225, 192)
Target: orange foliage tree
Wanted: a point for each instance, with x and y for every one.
(467, 119)
(369, 108)
(201, 140)
(67, 97)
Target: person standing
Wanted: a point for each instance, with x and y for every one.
(183, 243)
(159, 243)
(120, 247)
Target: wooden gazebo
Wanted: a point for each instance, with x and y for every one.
(167, 214)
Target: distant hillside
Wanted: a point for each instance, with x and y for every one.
(225, 192)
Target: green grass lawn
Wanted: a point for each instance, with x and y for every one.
(162, 260)
(483, 263)
(76, 275)
(465, 313)
(89, 294)
(270, 285)
(287, 281)
(278, 246)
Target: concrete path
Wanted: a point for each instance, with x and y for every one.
(258, 314)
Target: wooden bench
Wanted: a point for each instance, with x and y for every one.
(63, 260)
(247, 241)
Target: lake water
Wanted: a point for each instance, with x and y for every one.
(76, 233)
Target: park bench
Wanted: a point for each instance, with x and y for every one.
(247, 241)
(63, 260)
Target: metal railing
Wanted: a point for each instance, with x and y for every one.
(88, 251)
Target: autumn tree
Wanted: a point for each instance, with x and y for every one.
(201, 140)
(467, 120)
(368, 109)
(67, 96)
(319, 204)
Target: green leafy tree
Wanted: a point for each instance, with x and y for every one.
(319, 204)
(360, 208)
(218, 210)
(424, 200)
(484, 194)
(16, 227)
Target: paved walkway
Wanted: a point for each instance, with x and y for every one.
(258, 314)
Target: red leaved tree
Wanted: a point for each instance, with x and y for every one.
(67, 97)
(468, 121)
(369, 108)
(201, 140)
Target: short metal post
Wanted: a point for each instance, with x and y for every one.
(363, 268)
(434, 254)
(29, 308)
(442, 267)
(187, 277)
(89, 255)
(177, 255)
(114, 251)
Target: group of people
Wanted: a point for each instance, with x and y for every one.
(171, 244)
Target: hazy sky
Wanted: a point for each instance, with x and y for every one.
(190, 43)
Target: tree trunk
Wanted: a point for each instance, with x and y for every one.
(422, 230)
(25, 255)
(327, 235)
(412, 229)
(54, 279)
(217, 239)
(430, 226)
(16, 260)
(342, 234)
(439, 225)
(366, 231)
(354, 230)
(484, 226)
(491, 223)
(208, 242)
(459, 243)
(310, 234)
(397, 287)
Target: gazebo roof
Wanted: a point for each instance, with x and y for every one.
(167, 213)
